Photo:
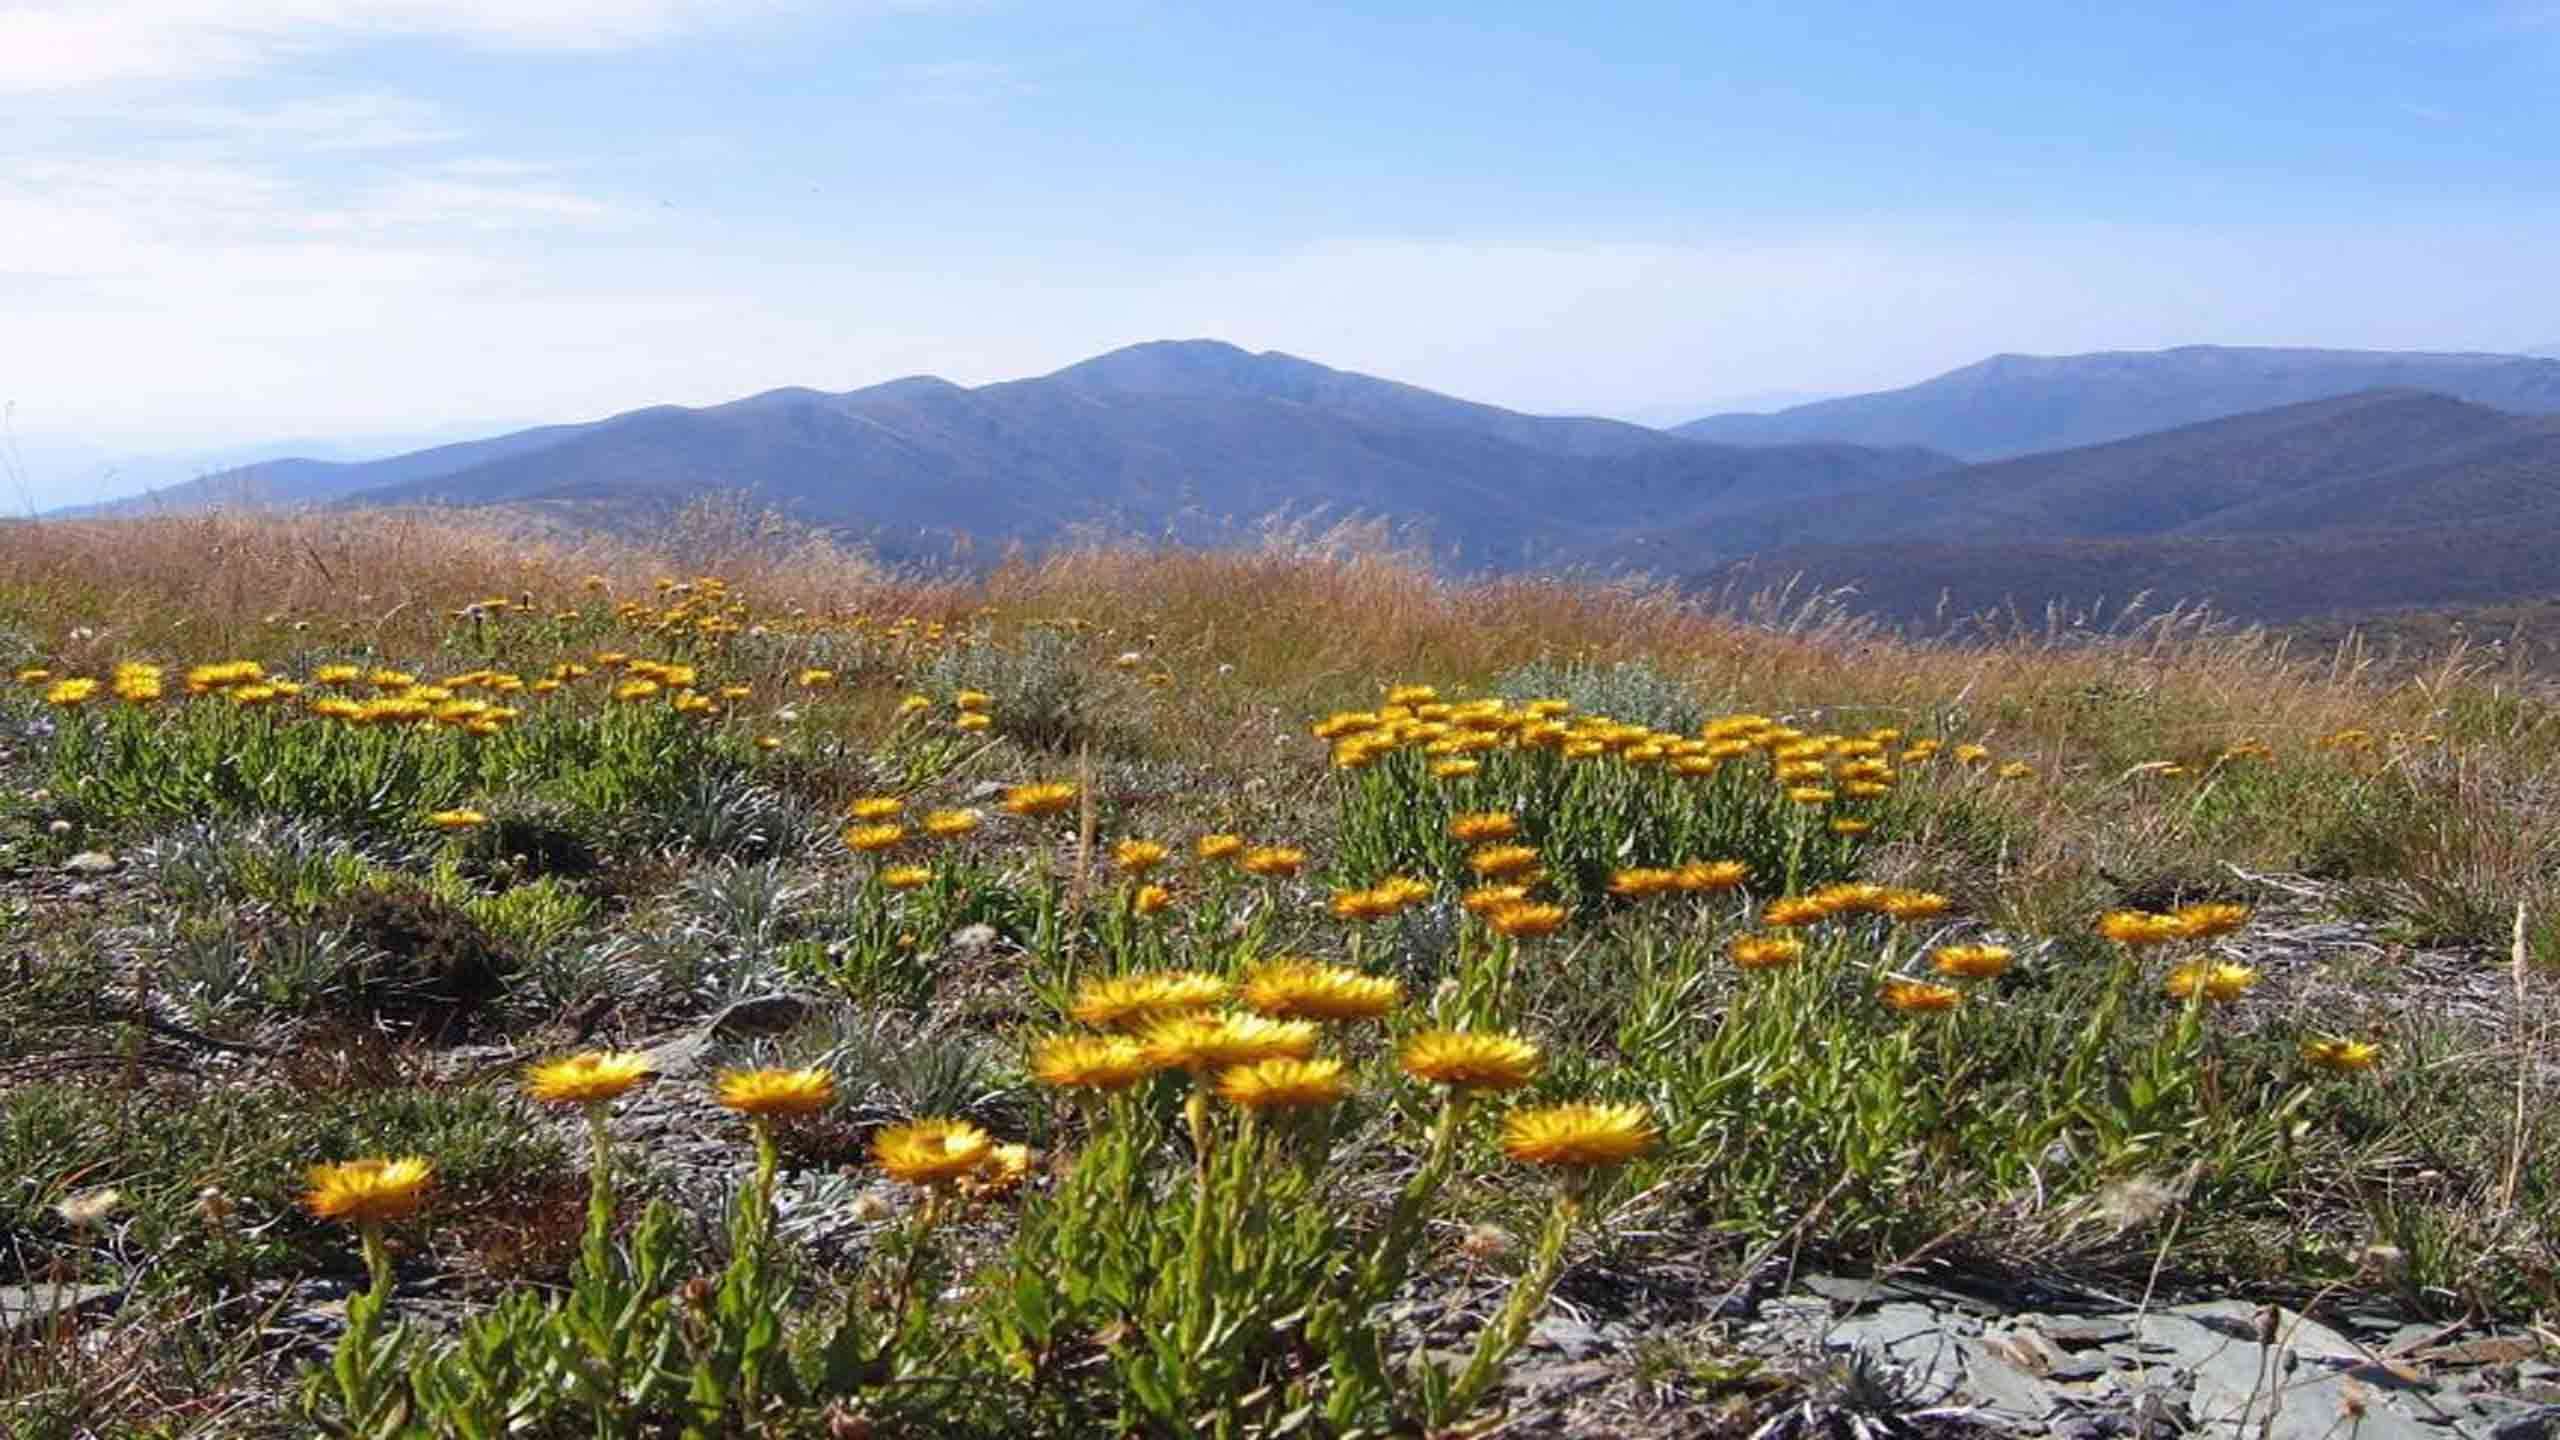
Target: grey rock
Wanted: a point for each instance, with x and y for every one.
(2010, 1393)
(2077, 1369)
(28, 1305)
(2526, 1422)
(1915, 1339)
(2075, 1331)
(1571, 1336)
(1559, 1379)
(757, 1015)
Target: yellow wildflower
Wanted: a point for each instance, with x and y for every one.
(1204, 1042)
(1578, 1136)
(1044, 798)
(1089, 1062)
(1766, 952)
(872, 838)
(1134, 1001)
(1970, 962)
(368, 1192)
(1273, 861)
(1304, 990)
(1918, 996)
(585, 1079)
(2341, 1055)
(931, 1152)
(1470, 1059)
(771, 1092)
(1283, 1084)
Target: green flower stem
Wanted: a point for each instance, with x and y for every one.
(377, 1261)
(1393, 1258)
(599, 1191)
(1495, 1347)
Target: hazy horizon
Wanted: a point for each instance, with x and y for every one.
(358, 221)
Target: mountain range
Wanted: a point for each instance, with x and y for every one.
(2019, 404)
(1190, 440)
(2275, 482)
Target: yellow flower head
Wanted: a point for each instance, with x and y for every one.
(1970, 962)
(1851, 898)
(1134, 1001)
(1851, 825)
(1470, 1059)
(1480, 826)
(1273, 861)
(1378, 902)
(367, 1192)
(906, 877)
(1913, 997)
(870, 839)
(1304, 990)
(971, 701)
(1502, 862)
(457, 819)
(2140, 927)
(1641, 882)
(2204, 922)
(931, 1152)
(1218, 847)
(767, 1093)
(876, 807)
(137, 683)
(1914, 904)
(1578, 1136)
(1089, 1062)
(71, 694)
(1455, 769)
(1283, 1084)
(1203, 1042)
(1485, 899)
(1403, 889)
(1137, 857)
(973, 720)
(1150, 899)
(587, 1078)
(1788, 911)
(1341, 723)
(1047, 797)
(1766, 952)
(2340, 1054)
(1524, 919)
(1412, 695)
(950, 824)
(1004, 1169)
(2215, 980)
(1710, 876)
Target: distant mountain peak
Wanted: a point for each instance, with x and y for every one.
(1192, 367)
(2012, 404)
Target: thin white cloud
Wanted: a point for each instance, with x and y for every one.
(359, 121)
(60, 46)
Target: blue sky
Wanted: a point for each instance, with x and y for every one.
(356, 223)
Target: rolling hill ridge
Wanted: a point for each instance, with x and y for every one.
(2012, 405)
